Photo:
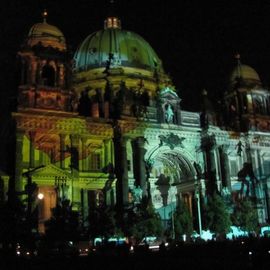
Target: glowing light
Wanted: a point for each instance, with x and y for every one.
(154, 247)
(40, 196)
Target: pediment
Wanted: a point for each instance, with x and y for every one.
(50, 171)
(168, 92)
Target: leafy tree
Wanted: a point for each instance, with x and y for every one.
(64, 223)
(146, 221)
(182, 220)
(217, 215)
(102, 222)
(245, 215)
(12, 220)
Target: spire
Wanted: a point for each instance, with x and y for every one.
(206, 102)
(112, 20)
(111, 9)
(239, 68)
(44, 15)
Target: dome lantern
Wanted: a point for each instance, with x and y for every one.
(112, 22)
(44, 15)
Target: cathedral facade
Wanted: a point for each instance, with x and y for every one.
(105, 126)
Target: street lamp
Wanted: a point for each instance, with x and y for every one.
(197, 197)
(40, 196)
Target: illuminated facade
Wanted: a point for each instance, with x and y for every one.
(107, 127)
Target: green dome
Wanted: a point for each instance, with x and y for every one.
(128, 49)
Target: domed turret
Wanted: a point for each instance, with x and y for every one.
(47, 35)
(45, 68)
(247, 100)
(126, 48)
(244, 74)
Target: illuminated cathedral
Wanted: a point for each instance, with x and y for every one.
(105, 126)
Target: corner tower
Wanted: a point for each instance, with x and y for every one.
(44, 69)
(247, 102)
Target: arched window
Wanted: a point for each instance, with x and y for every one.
(48, 75)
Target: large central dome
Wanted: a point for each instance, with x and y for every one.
(126, 48)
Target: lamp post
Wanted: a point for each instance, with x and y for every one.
(172, 215)
(197, 197)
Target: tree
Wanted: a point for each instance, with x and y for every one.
(12, 221)
(64, 223)
(102, 222)
(245, 215)
(182, 220)
(217, 216)
(146, 221)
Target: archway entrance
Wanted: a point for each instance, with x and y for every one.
(172, 178)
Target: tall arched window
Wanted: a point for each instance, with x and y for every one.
(48, 75)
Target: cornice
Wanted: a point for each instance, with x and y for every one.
(62, 124)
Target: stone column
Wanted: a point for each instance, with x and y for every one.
(139, 163)
(74, 151)
(84, 154)
(190, 198)
(58, 75)
(107, 152)
(32, 135)
(121, 170)
(33, 71)
(224, 166)
(62, 150)
(18, 161)
(74, 162)
(209, 145)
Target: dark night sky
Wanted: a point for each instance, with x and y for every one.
(196, 40)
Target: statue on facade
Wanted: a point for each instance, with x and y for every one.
(109, 169)
(74, 156)
(239, 148)
(246, 177)
(198, 169)
(169, 114)
(137, 194)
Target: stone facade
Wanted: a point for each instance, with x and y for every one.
(117, 129)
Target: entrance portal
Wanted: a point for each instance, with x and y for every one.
(45, 206)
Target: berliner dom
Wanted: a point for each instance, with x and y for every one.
(104, 126)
